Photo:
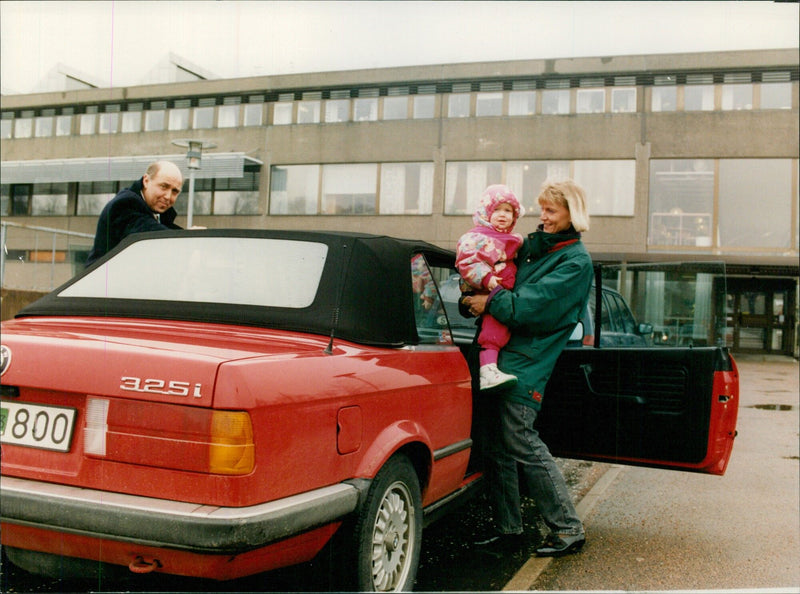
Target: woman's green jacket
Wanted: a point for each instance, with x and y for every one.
(551, 291)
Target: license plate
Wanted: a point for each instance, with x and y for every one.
(37, 426)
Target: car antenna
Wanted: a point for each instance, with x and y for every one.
(337, 307)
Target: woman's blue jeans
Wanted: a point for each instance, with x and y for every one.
(515, 454)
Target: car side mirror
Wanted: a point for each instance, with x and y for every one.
(645, 329)
(577, 333)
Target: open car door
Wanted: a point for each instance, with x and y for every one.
(670, 404)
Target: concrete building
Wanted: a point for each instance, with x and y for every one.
(689, 157)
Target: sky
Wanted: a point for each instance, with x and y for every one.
(119, 43)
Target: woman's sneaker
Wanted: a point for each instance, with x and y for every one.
(491, 377)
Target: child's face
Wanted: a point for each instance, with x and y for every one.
(502, 217)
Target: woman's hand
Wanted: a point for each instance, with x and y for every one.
(476, 304)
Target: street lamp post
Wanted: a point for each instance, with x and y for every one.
(194, 154)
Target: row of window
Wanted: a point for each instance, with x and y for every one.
(698, 94)
(222, 196)
(693, 203)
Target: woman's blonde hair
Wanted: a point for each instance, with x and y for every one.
(570, 195)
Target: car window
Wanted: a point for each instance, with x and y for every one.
(203, 269)
(626, 323)
(429, 309)
(679, 302)
(605, 316)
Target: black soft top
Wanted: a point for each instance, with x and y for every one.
(364, 293)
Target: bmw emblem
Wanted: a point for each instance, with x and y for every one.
(5, 358)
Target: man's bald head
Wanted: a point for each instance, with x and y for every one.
(162, 182)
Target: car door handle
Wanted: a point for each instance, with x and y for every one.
(587, 370)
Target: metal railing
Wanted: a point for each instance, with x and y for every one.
(34, 258)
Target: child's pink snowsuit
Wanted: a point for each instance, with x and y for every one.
(484, 252)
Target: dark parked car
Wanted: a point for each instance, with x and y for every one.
(617, 324)
(226, 402)
(618, 327)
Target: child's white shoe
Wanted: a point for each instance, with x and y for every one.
(491, 377)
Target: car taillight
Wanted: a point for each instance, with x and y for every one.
(169, 436)
(231, 450)
(588, 340)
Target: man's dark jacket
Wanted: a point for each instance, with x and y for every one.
(127, 213)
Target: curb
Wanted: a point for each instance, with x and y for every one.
(530, 572)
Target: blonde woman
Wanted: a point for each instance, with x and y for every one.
(554, 274)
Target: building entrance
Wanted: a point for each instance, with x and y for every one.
(760, 315)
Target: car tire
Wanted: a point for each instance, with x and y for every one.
(388, 530)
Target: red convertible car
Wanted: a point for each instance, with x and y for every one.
(223, 403)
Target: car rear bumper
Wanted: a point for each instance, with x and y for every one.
(171, 524)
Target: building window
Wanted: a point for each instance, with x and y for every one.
(132, 121)
(63, 125)
(254, 112)
(406, 188)
(698, 94)
(228, 116)
(609, 186)
(365, 110)
(737, 92)
(337, 110)
(776, 90)
(466, 181)
(489, 102)
(769, 183)
(623, 100)
(203, 118)
(5, 200)
(154, 119)
(591, 101)
(20, 199)
(23, 125)
(49, 200)
(458, 101)
(424, 107)
(201, 199)
(309, 110)
(681, 202)
(87, 123)
(555, 98)
(108, 123)
(522, 103)
(237, 195)
(395, 105)
(664, 94)
(525, 178)
(179, 115)
(294, 190)
(44, 126)
(6, 125)
(282, 113)
(365, 107)
(349, 189)
(93, 196)
(395, 108)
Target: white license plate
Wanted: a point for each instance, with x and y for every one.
(37, 426)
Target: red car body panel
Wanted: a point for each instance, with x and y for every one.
(297, 417)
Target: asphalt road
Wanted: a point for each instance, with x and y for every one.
(659, 530)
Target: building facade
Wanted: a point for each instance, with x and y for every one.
(689, 157)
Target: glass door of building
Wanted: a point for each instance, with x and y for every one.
(760, 316)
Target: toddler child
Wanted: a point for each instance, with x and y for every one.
(485, 259)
